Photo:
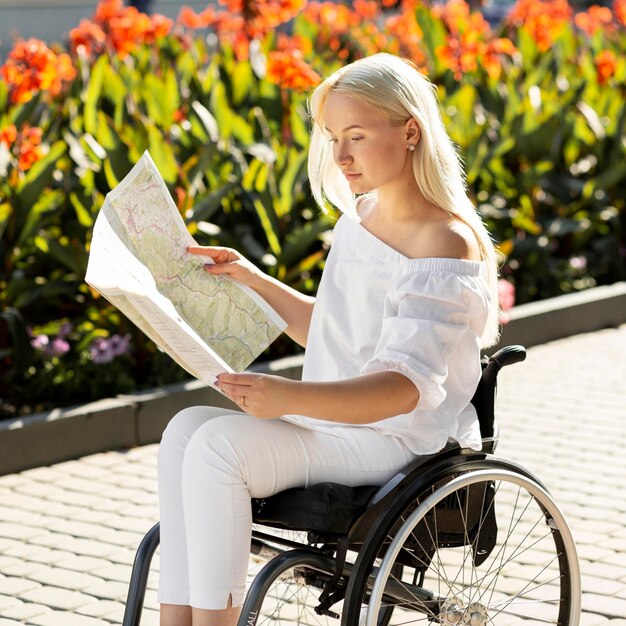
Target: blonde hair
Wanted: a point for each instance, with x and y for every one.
(395, 87)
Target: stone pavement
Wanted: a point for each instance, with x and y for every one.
(68, 532)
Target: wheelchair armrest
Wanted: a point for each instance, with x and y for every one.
(508, 356)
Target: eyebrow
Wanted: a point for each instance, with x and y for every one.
(347, 128)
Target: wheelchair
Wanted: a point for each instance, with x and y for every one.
(456, 538)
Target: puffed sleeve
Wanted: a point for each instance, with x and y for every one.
(428, 318)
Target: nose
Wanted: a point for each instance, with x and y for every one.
(343, 156)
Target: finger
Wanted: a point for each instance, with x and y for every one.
(237, 379)
(214, 252)
(234, 390)
(221, 268)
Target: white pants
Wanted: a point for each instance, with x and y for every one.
(213, 461)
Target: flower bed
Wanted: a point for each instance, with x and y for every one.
(536, 106)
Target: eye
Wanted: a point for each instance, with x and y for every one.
(332, 140)
(355, 139)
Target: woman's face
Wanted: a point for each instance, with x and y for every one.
(371, 152)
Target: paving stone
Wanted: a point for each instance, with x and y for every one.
(604, 605)
(112, 571)
(106, 609)
(7, 601)
(65, 578)
(61, 618)
(57, 598)
(82, 563)
(108, 590)
(14, 586)
(24, 611)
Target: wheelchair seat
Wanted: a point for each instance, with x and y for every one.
(332, 509)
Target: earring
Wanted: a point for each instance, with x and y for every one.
(412, 147)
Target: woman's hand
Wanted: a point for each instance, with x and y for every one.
(261, 395)
(230, 262)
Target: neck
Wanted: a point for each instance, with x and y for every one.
(402, 201)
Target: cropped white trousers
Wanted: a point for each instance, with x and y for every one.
(212, 461)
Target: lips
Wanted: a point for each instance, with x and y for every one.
(351, 175)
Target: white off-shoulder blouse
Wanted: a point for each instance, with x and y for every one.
(377, 310)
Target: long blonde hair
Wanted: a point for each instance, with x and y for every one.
(395, 87)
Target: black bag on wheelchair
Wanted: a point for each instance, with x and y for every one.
(327, 508)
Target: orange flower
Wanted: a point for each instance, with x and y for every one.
(329, 15)
(605, 63)
(619, 10)
(543, 19)
(33, 67)
(192, 20)
(87, 37)
(594, 19)
(124, 28)
(470, 44)
(366, 9)
(25, 145)
(8, 135)
(289, 70)
(406, 32)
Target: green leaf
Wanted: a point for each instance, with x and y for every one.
(82, 213)
(47, 202)
(162, 154)
(20, 341)
(60, 253)
(38, 176)
(114, 88)
(92, 97)
(4, 96)
(162, 98)
(268, 228)
(299, 240)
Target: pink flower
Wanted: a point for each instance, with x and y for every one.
(506, 298)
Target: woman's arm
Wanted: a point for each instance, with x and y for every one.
(295, 308)
(361, 400)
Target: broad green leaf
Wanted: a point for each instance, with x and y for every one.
(163, 155)
(92, 97)
(38, 176)
(267, 225)
(82, 213)
(300, 240)
(49, 201)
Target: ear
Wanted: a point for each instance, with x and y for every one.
(412, 131)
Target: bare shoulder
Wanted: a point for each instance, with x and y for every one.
(448, 238)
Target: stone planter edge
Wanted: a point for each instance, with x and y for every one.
(139, 419)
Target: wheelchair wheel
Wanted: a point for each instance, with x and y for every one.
(488, 546)
(286, 590)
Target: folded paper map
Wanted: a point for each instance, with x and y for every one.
(139, 262)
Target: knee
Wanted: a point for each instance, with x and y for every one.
(214, 451)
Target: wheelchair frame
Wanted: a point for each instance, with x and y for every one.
(439, 514)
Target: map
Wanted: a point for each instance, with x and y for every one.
(138, 260)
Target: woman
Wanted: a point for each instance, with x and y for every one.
(407, 298)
